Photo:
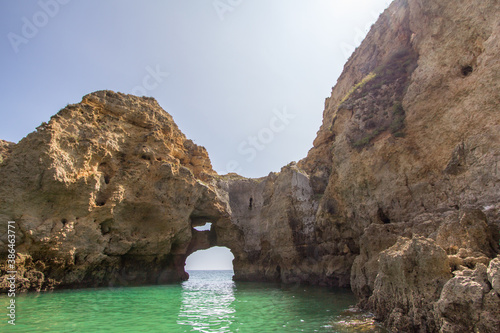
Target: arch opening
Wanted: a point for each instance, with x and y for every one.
(205, 227)
(215, 258)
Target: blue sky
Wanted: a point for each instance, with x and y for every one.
(224, 68)
(247, 79)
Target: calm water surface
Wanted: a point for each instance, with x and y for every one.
(209, 302)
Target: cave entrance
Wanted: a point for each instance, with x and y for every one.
(216, 258)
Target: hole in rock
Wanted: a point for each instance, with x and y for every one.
(206, 226)
(467, 70)
(383, 216)
(107, 171)
(100, 203)
(215, 258)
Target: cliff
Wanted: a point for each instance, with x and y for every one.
(104, 194)
(397, 199)
(409, 148)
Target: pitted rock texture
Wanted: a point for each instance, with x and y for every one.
(410, 273)
(5, 149)
(468, 303)
(106, 194)
(276, 215)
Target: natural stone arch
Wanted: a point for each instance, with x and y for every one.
(223, 233)
(218, 258)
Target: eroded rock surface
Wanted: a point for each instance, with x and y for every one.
(412, 150)
(468, 303)
(411, 272)
(5, 149)
(276, 215)
(106, 194)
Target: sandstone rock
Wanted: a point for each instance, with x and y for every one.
(494, 274)
(276, 216)
(468, 304)
(377, 238)
(470, 233)
(410, 273)
(106, 194)
(442, 160)
(29, 276)
(5, 149)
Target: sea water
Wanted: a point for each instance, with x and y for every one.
(208, 302)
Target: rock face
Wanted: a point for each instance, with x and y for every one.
(5, 149)
(410, 273)
(409, 147)
(106, 193)
(468, 303)
(425, 165)
(276, 215)
(398, 198)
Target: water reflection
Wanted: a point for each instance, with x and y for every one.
(207, 302)
(287, 308)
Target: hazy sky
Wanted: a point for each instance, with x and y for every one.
(247, 79)
(217, 258)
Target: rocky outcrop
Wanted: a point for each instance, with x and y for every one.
(411, 272)
(468, 303)
(398, 198)
(106, 193)
(276, 215)
(5, 149)
(398, 155)
(409, 147)
(386, 275)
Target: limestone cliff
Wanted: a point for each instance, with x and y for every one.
(398, 198)
(276, 215)
(400, 191)
(409, 147)
(105, 194)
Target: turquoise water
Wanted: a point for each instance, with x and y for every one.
(208, 302)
